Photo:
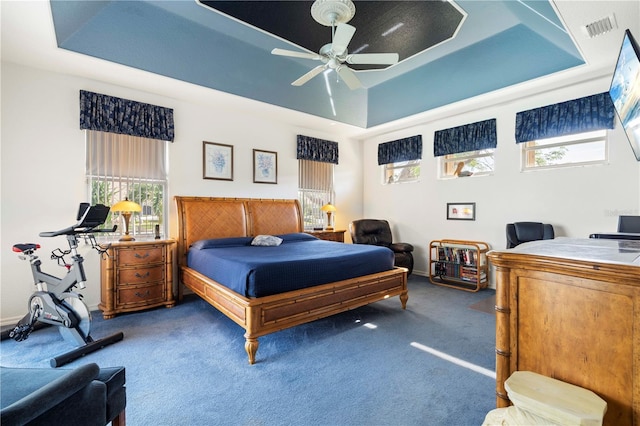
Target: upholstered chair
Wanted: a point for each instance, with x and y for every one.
(522, 232)
(84, 396)
(377, 232)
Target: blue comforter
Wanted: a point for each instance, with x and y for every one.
(300, 261)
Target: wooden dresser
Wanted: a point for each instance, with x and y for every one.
(570, 309)
(137, 275)
(329, 235)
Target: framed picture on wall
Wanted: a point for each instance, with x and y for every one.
(461, 211)
(217, 161)
(265, 166)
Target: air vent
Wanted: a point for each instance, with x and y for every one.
(601, 26)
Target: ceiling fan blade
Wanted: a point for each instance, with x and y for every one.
(341, 38)
(308, 76)
(294, 54)
(349, 77)
(373, 58)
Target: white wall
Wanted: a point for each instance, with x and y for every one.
(578, 201)
(42, 158)
(42, 173)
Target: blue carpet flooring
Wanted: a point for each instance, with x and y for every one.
(376, 365)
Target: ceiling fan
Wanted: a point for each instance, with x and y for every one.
(334, 55)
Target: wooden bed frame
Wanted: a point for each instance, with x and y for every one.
(205, 218)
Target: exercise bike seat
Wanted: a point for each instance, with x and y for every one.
(25, 248)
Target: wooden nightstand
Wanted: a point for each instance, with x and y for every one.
(137, 275)
(333, 235)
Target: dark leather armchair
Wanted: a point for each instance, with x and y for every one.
(522, 232)
(85, 396)
(377, 232)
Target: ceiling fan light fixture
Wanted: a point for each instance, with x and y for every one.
(335, 13)
(332, 12)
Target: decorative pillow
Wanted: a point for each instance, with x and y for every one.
(266, 240)
(221, 242)
(297, 236)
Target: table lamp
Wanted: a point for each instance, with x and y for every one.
(126, 207)
(328, 208)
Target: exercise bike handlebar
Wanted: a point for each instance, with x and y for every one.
(74, 230)
(89, 218)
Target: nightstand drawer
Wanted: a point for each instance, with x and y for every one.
(141, 275)
(140, 255)
(143, 295)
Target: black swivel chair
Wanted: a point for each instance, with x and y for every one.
(522, 232)
(629, 224)
(85, 396)
(378, 233)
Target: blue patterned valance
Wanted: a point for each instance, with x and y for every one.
(470, 137)
(116, 115)
(406, 149)
(317, 150)
(586, 114)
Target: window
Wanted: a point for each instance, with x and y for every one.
(477, 163)
(563, 151)
(401, 172)
(315, 189)
(121, 166)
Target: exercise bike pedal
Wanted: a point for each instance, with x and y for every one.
(6, 331)
(85, 349)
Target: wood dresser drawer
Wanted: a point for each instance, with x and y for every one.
(137, 275)
(141, 275)
(141, 255)
(134, 296)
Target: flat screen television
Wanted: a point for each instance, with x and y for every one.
(625, 90)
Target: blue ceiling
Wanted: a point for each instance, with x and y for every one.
(498, 44)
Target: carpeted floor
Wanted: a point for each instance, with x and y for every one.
(377, 365)
(487, 305)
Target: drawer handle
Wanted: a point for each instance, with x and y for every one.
(142, 295)
(138, 275)
(143, 256)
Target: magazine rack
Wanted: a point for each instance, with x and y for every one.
(459, 264)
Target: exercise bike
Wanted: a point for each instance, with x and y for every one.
(55, 302)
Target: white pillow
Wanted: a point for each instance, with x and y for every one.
(266, 240)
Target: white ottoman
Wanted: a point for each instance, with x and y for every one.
(541, 400)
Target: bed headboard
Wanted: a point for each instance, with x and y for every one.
(213, 217)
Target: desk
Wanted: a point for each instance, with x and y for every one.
(570, 309)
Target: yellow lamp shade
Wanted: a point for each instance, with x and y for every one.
(126, 207)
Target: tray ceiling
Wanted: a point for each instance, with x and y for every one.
(448, 51)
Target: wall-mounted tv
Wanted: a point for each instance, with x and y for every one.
(625, 90)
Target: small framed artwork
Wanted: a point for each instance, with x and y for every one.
(217, 161)
(265, 166)
(461, 211)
